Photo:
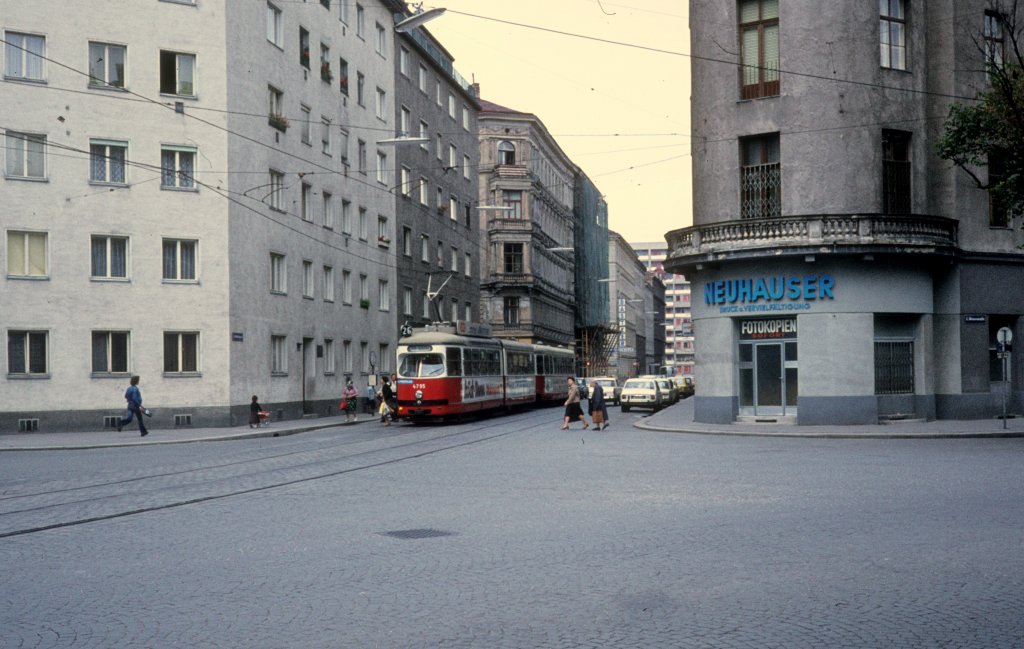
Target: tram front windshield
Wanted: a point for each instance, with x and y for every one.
(420, 365)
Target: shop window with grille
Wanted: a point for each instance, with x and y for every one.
(894, 367)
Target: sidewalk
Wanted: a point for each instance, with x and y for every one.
(679, 419)
(130, 435)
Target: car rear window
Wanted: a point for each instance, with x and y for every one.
(643, 385)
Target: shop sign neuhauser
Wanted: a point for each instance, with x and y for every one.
(761, 294)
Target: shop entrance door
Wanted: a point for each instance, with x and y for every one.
(768, 378)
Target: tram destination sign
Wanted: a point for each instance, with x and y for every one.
(768, 329)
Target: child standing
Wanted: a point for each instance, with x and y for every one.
(254, 413)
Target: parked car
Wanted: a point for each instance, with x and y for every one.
(611, 388)
(641, 393)
(670, 393)
(688, 388)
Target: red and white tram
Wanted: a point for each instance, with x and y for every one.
(449, 370)
(554, 365)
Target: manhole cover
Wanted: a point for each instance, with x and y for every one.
(421, 533)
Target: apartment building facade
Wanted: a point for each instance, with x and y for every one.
(679, 343)
(630, 300)
(207, 212)
(527, 229)
(842, 272)
(438, 244)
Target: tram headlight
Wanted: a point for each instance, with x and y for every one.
(419, 394)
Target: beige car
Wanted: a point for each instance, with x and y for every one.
(641, 393)
(611, 388)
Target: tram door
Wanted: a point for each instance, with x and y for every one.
(768, 371)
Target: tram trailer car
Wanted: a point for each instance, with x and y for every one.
(554, 366)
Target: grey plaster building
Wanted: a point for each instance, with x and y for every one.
(841, 271)
(194, 192)
(438, 233)
(527, 280)
(630, 299)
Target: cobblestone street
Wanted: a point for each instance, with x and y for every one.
(509, 532)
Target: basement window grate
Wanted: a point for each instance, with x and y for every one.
(182, 420)
(419, 533)
(28, 425)
(110, 422)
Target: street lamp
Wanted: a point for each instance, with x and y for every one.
(499, 208)
(404, 139)
(418, 17)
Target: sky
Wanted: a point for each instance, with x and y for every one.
(621, 113)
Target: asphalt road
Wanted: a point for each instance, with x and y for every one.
(509, 532)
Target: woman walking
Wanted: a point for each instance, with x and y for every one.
(349, 396)
(573, 411)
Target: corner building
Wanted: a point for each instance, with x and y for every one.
(841, 272)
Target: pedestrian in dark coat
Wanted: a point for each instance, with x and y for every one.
(596, 403)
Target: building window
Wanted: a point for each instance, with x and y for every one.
(451, 105)
(343, 76)
(894, 367)
(275, 108)
(893, 34)
(361, 156)
(278, 277)
(382, 105)
(759, 48)
(455, 259)
(407, 241)
(405, 184)
(466, 167)
(346, 217)
(453, 157)
(426, 307)
(440, 255)
(177, 165)
(381, 42)
(998, 209)
(325, 64)
(383, 296)
(465, 117)
(325, 135)
(363, 224)
(346, 287)
(307, 279)
(328, 210)
(425, 248)
(181, 352)
(343, 146)
(510, 310)
(896, 172)
(422, 79)
(26, 254)
(468, 270)
(506, 153)
(304, 47)
(760, 177)
(995, 42)
(107, 64)
(24, 54)
(439, 203)
(513, 257)
(276, 194)
(179, 260)
(425, 135)
(328, 284)
(469, 312)
(306, 127)
(278, 355)
(27, 352)
(514, 200)
(346, 356)
(177, 73)
(109, 352)
(343, 12)
(364, 289)
(453, 209)
(109, 257)
(360, 21)
(360, 89)
(107, 161)
(274, 33)
(328, 356)
(383, 234)
(439, 147)
(424, 192)
(26, 156)
(364, 358)
(382, 167)
(305, 202)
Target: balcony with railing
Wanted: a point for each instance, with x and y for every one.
(813, 234)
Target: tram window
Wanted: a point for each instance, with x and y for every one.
(421, 365)
(454, 357)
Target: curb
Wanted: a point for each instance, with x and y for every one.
(839, 435)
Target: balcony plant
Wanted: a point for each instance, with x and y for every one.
(384, 241)
(325, 72)
(364, 303)
(278, 121)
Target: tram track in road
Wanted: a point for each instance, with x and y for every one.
(106, 506)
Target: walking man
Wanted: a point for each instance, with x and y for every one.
(134, 399)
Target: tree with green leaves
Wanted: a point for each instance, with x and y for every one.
(989, 133)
